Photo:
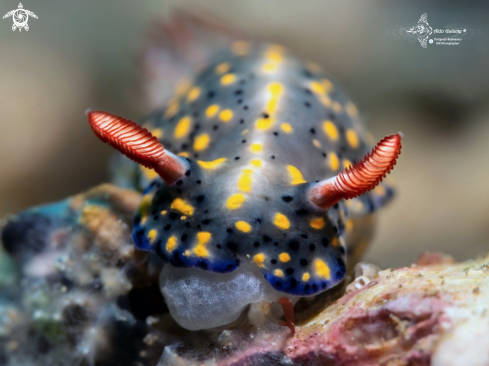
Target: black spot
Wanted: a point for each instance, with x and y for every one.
(198, 182)
(215, 127)
(211, 94)
(293, 283)
(307, 74)
(267, 239)
(307, 287)
(304, 236)
(307, 104)
(265, 115)
(233, 247)
(243, 141)
(187, 224)
(342, 250)
(276, 243)
(202, 265)
(325, 242)
(307, 91)
(294, 245)
(323, 285)
(137, 220)
(315, 287)
(304, 262)
(237, 158)
(240, 101)
(197, 126)
(273, 156)
(184, 146)
(289, 271)
(278, 284)
(312, 247)
(173, 215)
(245, 107)
(139, 235)
(335, 206)
(275, 133)
(273, 261)
(324, 154)
(238, 92)
(155, 217)
(206, 221)
(287, 198)
(184, 237)
(187, 173)
(258, 221)
(179, 182)
(167, 227)
(229, 230)
(301, 212)
(219, 246)
(256, 244)
(196, 155)
(200, 198)
(312, 130)
(241, 121)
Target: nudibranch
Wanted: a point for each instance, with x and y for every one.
(268, 190)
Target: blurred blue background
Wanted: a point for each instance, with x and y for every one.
(83, 54)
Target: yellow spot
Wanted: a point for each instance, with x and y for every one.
(222, 68)
(182, 86)
(328, 85)
(211, 164)
(183, 218)
(183, 127)
(259, 259)
(171, 244)
(144, 219)
(264, 123)
(349, 226)
(351, 110)
(284, 257)
(322, 269)
(347, 163)
(202, 239)
(295, 175)
(182, 206)
(184, 153)
(330, 130)
(352, 138)
(317, 88)
(186, 253)
(245, 180)
(287, 128)
(240, 48)
(275, 89)
(337, 107)
(245, 131)
(325, 100)
(334, 242)
(278, 273)
(316, 143)
(201, 142)
(152, 235)
(256, 147)
(226, 115)
(164, 212)
(150, 174)
(235, 201)
(269, 67)
(256, 162)
(193, 94)
(145, 203)
(243, 226)
(317, 223)
(157, 132)
(172, 108)
(305, 277)
(380, 190)
(334, 163)
(312, 67)
(228, 79)
(274, 55)
(281, 221)
(211, 110)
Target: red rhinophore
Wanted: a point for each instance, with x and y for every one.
(136, 143)
(288, 309)
(361, 177)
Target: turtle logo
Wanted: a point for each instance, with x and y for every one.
(422, 30)
(20, 17)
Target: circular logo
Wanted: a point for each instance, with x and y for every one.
(431, 41)
(20, 17)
